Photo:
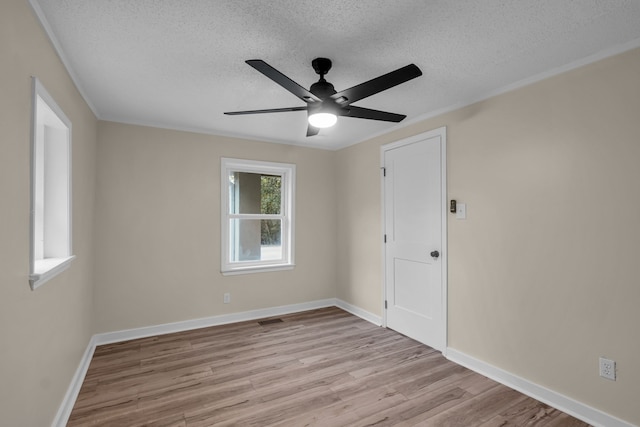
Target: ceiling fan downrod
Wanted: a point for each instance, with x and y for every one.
(322, 88)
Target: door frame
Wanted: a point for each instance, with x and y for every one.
(442, 133)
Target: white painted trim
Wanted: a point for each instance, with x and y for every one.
(303, 142)
(48, 268)
(287, 171)
(444, 258)
(559, 401)
(259, 269)
(64, 411)
(42, 270)
(383, 228)
(604, 54)
(322, 145)
(223, 319)
(442, 133)
(357, 311)
(58, 48)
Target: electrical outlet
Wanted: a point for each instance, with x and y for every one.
(608, 369)
(227, 298)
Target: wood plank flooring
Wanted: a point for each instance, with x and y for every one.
(322, 367)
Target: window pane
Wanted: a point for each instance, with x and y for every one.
(271, 189)
(254, 193)
(255, 239)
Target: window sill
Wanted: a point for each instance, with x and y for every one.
(46, 269)
(257, 269)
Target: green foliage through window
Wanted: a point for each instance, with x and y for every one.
(270, 204)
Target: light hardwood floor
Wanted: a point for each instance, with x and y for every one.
(323, 367)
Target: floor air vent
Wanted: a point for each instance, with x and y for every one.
(269, 321)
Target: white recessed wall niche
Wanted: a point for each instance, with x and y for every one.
(50, 245)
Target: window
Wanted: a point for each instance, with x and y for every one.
(50, 244)
(257, 216)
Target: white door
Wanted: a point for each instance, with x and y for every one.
(415, 248)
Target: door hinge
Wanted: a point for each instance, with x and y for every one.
(385, 304)
(385, 238)
(384, 171)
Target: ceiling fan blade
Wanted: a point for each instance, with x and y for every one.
(312, 131)
(283, 80)
(367, 113)
(272, 110)
(378, 84)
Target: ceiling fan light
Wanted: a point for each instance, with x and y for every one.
(322, 120)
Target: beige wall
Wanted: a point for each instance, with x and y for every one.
(543, 275)
(43, 333)
(158, 228)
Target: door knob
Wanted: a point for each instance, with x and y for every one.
(435, 254)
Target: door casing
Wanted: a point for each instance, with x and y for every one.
(442, 132)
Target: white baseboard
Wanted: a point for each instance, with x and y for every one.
(223, 319)
(64, 411)
(357, 311)
(579, 410)
(559, 401)
(148, 331)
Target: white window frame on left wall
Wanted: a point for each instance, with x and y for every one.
(50, 224)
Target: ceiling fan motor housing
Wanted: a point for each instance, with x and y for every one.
(322, 89)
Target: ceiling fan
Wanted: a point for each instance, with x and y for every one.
(324, 104)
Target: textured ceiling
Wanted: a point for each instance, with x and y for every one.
(180, 64)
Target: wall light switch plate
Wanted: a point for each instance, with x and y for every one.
(461, 211)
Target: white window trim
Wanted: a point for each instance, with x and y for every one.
(288, 172)
(42, 270)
